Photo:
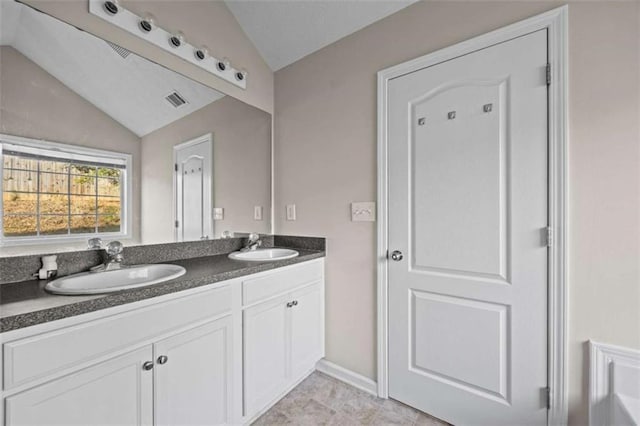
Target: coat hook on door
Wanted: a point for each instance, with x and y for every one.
(421, 121)
(487, 107)
(451, 115)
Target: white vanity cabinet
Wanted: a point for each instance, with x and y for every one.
(266, 348)
(192, 376)
(283, 333)
(116, 392)
(163, 361)
(219, 354)
(307, 329)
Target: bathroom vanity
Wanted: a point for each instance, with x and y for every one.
(219, 345)
(153, 162)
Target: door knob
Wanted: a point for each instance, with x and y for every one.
(396, 255)
(162, 359)
(147, 365)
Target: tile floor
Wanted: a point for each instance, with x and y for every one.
(323, 400)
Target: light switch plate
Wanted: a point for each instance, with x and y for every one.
(291, 212)
(363, 211)
(218, 213)
(257, 213)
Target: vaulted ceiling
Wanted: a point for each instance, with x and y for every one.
(285, 31)
(132, 90)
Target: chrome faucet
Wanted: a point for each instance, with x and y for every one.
(253, 242)
(114, 258)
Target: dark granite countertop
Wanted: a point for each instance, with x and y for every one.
(26, 303)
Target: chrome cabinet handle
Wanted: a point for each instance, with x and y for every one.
(147, 365)
(396, 255)
(162, 359)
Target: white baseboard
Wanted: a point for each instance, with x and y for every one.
(349, 377)
(614, 377)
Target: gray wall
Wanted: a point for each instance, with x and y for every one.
(325, 158)
(36, 105)
(241, 168)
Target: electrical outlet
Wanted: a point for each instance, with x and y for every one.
(257, 213)
(291, 212)
(363, 211)
(218, 213)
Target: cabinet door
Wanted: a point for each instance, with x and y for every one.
(115, 392)
(307, 329)
(265, 353)
(193, 376)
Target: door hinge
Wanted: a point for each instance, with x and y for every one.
(177, 223)
(547, 393)
(548, 74)
(549, 236)
(175, 167)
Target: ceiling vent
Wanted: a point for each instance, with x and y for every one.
(119, 50)
(176, 99)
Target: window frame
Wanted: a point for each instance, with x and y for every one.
(126, 198)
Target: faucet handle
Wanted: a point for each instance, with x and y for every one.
(253, 237)
(94, 244)
(114, 248)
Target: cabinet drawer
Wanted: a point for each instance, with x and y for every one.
(45, 354)
(256, 289)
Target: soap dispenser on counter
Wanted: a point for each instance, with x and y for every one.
(49, 267)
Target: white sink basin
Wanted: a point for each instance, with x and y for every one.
(116, 280)
(264, 255)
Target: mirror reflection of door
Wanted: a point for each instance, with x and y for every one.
(193, 189)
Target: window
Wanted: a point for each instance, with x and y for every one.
(56, 191)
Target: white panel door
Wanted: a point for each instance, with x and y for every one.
(193, 164)
(468, 197)
(193, 376)
(266, 352)
(306, 329)
(114, 392)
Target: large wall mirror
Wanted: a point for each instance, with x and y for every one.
(97, 141)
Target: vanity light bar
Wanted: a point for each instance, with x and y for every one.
(114, 13)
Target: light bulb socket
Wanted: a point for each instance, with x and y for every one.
(201, 53)
(223, 64)
(241, 75)
(147, 23)
(112, 7)
(176, 40)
